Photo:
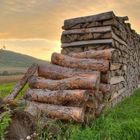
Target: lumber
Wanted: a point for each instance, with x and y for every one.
(87, 64)
(56, 111)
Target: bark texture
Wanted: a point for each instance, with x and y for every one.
(87, 64)
(56, 111)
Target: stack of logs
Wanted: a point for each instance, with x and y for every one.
(102, 32)
(99, 64)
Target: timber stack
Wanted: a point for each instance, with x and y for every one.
(106, 37)
(99, 65)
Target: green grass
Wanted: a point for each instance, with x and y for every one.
(119, 123)
(6, 89)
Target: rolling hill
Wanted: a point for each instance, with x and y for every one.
(13, 59)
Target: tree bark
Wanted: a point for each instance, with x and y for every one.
(20, 84)
(55, 72)
(56, 111)
(99, 54)
(78, 82)
(59, 97)
(86, 64)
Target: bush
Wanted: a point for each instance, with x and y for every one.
(5, 73)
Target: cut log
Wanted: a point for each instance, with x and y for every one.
(99, 17)
(89, 42)
(56, 111)
(115, 66)
(20, 84)
(87, 64)
(78, 82)
(59, 97)
(99, 54)
(55, 72)
(116, 79)
(88, 30)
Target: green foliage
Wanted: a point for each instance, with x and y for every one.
(5, 123)
(12, 59)
(6, 89)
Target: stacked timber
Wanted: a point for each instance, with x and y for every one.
(63, 93)
(99, 64)
(104, 37)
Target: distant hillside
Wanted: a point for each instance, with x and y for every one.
(12, 59)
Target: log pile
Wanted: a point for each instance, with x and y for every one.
(105, 37)
(99, 64)
(63, 93)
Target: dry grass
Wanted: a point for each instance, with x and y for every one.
(8, 79)
(13, 70)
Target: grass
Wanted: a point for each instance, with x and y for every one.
(5, 89)
(119, 123)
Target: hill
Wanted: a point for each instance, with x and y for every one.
(13, 59)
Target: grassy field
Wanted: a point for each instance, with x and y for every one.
(5, 89)
(119, 123)
(13, 69)
(11, 74)
(9, 78)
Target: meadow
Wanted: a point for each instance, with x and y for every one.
(119, 123)
(11, 74)
(9, 78)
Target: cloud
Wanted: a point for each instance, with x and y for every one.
(25, 25)
(43, 19)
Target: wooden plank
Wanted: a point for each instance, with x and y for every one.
(87, 30)
(98, 17)
(89, 42)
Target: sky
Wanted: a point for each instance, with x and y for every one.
(33, 27)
